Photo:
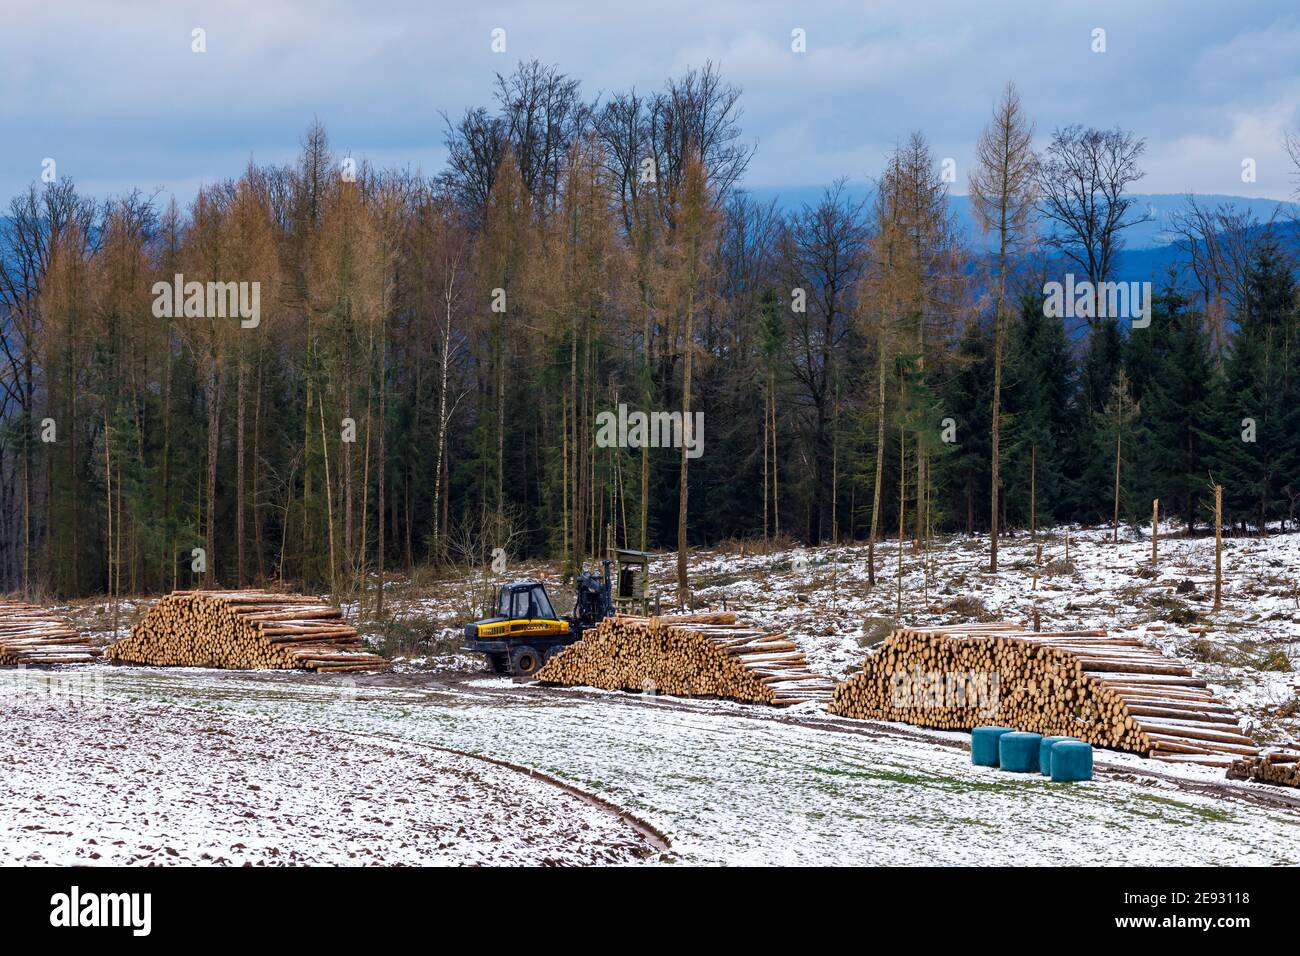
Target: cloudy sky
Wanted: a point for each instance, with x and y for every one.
(111, 90)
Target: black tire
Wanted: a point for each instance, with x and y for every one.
(500, 663)
(552, 651)
(525, 661)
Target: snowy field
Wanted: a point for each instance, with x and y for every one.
(116, 781)
(185, 765)
(727, 783)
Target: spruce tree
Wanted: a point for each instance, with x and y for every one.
(1041, 387)
(1171, 370)
(1254, 435)
(967, 400)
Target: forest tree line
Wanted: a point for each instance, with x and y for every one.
(432, 353)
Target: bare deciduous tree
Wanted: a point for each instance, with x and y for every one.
(823, 249)
(1084, 180)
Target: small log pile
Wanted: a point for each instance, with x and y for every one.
(245, 630)
(694, 655)
(29, 634)
(1112, 691)
(1281, 767)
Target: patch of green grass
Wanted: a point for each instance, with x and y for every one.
(1208, 814)
(972, 822)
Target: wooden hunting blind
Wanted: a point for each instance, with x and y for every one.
(632, 585)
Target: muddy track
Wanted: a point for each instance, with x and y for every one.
(647, 830)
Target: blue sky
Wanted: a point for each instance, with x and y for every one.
(112, 91)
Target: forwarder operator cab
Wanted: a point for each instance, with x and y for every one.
(525, 600)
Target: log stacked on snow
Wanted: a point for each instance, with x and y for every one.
(245, 630)
(30, 634)
(695, 655)
(1280, 767)
(1110, 691)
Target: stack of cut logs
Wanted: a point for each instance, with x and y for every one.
(693, 655)
(31, 635)
(1280, 767)
(245, 630)
(1110, 691)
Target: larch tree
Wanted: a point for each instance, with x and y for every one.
(1003, 192)
(503, 248)
(696, 219)
(880, 309)
(346, 293)
(253, 258)
(205, 259)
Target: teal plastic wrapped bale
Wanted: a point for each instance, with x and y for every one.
(1071, 760)
(1018, 751)
(1045, 753)
(984, 745)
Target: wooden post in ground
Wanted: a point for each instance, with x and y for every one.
(1218, 546)
(1117, 461)
(1038, 563)
(1155, 529)
(902, 512)
(1033, 491)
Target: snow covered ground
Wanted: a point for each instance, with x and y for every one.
(728, 783)
(821, 599)
(119, 781)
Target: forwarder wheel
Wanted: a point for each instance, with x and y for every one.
(525, 661)
(552, 651)
(500, 663)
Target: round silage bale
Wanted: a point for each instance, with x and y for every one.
(1018, 751)
(1045, 753)
(984, 745)
(1071, 760)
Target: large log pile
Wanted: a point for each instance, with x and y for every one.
(245, 630)
(699, 655)
(1111, 691)
(1281, 767)
(29, 634)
